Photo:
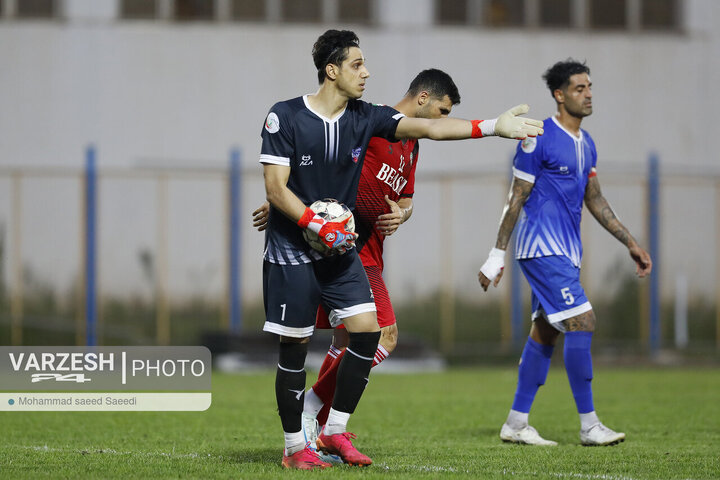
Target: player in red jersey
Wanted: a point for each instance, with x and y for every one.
(384, 202)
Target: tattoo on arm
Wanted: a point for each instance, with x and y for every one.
(603, 212)
(519, 193)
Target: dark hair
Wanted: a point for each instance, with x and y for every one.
(437, 83)
(558, 76)
(332, 47)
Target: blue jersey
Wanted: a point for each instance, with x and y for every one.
(559, 165)
(325, 159)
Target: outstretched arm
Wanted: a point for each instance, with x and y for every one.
(603, 213)
(508, 125)
(493, 267)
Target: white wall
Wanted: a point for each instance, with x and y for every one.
(187, 93)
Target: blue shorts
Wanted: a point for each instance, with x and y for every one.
(292, 293)
(556, 290)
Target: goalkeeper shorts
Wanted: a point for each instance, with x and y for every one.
(291, 293)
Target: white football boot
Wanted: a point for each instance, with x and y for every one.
(311, 429)
(526, 435)
(600, 435)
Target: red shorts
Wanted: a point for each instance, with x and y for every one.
(385, 313)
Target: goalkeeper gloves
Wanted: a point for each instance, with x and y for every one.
(510, 125)
(332, 234)
(494, 264)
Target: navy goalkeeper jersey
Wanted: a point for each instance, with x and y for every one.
(325, 159)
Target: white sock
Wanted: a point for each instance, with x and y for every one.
(587, 420)
(336, 422)
(517, 420)
(294, 442)
(312, 404)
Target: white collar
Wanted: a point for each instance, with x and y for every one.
(577, 138)
(322, 117)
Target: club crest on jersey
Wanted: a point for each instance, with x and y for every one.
(272, 123)
(306, 160)
(356, 154)
(528, 145)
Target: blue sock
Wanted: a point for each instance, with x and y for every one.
(532, 372)
(578, 364)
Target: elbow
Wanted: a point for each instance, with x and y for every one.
(272, 194)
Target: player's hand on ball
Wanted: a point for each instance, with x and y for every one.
(336, 237)
(492, 269)
(388, 223)
(511, 125)
(260, 216)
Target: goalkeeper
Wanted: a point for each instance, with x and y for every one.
(384, 202)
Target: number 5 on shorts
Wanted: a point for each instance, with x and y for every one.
(569, 299)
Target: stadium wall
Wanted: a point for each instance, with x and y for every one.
(178, 95)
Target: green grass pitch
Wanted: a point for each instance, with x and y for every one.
(413, 426)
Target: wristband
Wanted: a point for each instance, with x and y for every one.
(488, 127)
(496, 252)
(306, 218)
(483, 128)
(476, 130)
(311, 220)
(494, 264)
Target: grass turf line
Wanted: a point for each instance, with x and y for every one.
(442, 425)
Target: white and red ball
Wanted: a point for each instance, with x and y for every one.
(332, 211)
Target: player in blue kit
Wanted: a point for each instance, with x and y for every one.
(552, 176)
(312, 148)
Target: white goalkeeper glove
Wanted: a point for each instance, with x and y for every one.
(510, 125)
(494, 264)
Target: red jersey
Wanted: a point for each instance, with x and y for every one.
(389, 169)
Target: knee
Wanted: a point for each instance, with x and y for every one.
(389, 338)
(364, 322)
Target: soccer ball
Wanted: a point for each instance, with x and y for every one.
(332, 211)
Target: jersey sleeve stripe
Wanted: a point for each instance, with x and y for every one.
(398, 116)
(272, 159)
(523, 175)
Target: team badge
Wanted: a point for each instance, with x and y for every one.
(272, 123)
(528, 145)
(356, 154)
